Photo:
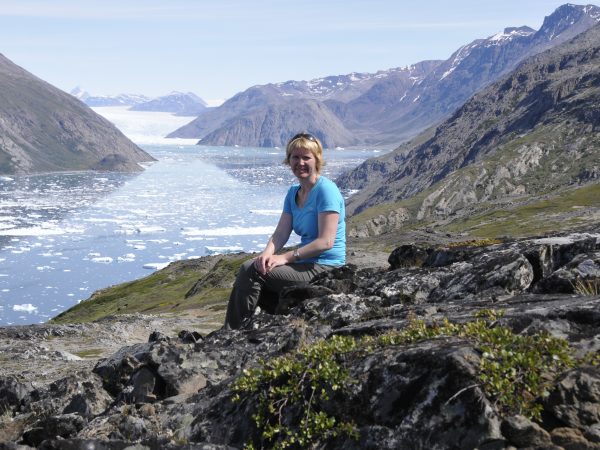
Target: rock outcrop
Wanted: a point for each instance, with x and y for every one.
(394, 358)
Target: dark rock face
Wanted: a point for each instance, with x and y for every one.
(176, 392)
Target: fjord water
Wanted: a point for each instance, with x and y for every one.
(63, 236)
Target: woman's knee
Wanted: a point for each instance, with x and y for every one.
(249, 268)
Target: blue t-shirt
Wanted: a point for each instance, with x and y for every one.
(323, 197)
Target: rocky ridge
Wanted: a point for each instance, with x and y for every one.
(187, 391)
(179, 103)
(43, 129)
(107, 100)
(530, 134)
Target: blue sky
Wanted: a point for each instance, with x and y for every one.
(217, 48)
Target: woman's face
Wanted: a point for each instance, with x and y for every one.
(303, 163)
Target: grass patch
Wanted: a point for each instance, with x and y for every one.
(165, 291)
(564, 210)
(589, 287)
(92, 353)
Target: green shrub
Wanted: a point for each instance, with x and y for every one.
(305, 380)
(515, 372)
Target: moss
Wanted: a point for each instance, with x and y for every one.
(475, 243)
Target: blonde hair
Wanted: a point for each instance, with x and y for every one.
(309, 142)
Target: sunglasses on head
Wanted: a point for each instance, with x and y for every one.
(308, 136)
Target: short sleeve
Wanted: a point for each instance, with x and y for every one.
(330, 199)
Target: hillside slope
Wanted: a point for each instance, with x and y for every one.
(43, 129)
(532, 133)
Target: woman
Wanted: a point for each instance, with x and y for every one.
(314, 209)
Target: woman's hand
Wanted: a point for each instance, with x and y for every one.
(260, 262)
(265, 263)
(267, 260)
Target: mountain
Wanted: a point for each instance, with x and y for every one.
(467, 71)
(390, 107)
(248, 118)
(532, 134)
(273, 125)
(107, 100)
(179, 103)
(45, 129)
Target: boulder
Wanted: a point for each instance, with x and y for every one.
(522, 432)
(63, 425)
(575, 401)
(13, 393)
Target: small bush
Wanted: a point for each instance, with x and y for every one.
(515, 372)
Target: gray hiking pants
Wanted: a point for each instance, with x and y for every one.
(250, 282)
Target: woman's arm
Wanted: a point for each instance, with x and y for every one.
(276, 242)
(328, 223)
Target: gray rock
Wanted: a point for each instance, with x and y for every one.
(522, 432)
(12, 393)
(408, 255)
(572, 439)
(64, 426)
(575, 400)
(421, 395)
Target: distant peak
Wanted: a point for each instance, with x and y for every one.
(575, 12)
(79, 93)
(521, 30)
(511, 33)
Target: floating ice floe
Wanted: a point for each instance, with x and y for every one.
(222, 250)
(228, 231)
(102, 259)
(155, 266)
(27, 307)
(129, 257)
(149, 229)
(39, 231)
(266, 212)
